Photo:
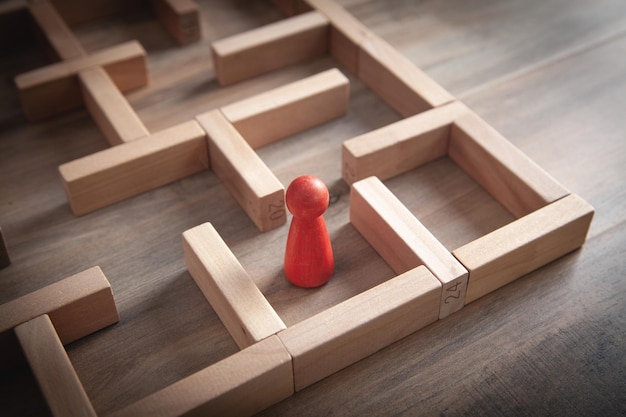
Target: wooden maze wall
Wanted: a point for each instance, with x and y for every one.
(235, 145)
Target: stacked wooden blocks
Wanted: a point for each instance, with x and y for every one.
(431, 282)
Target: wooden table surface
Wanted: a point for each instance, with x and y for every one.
(548, 74)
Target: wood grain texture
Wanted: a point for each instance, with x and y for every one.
(526, 244)
(116, 119)
(270, 47)
(362, 325)
(243, 309)
(241, 385)
(548, 75)
(54, 89)
(284, 111)
(52, 368)
(124, 171)
(403, 241)
(249, 180)
(181, 18)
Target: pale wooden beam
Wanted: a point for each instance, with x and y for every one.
(356, 328)
(54, 89)
(55, 30)
(116, 119)
(181, 18)
(286, 42)
(112, 175)
(524, 245)
(236, 299)
(52, 369)
(292, 108)
(241, 385)
(249, 180)
(511, 177)
(404, 242)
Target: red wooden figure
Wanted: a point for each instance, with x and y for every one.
(309, 258)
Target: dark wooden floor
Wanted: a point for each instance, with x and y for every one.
(548, 74)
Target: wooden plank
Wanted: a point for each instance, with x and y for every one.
(277, 45)
(236, 299)
(52, 368)
(361, 325)
(5, 260)
(181, 18)
(512, 178)
(241, 385)
(112, 175)
(396, 80)
(287, 110)
(346, 33)
(403, 241)
(78, 305)
(55, 89)
(56, 32)
(400, 146)
(109, 108)
(246, 176)
(526, 244)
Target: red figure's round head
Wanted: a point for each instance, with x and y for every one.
(307, 197)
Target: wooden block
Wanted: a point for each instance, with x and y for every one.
(277, 45)
(112, 175)
(403, 242)
(181, 18)
(52, 369)
(287, 110)
(356, 328)
(240, 385)
(56, 32)
(78, 306)
(109, 108)
(512, 178)
(246, 176)
(396, 80)
(526, 244)
(55, 89)
(236, 299)
(401, 146)
(4, 253)
(346, 33)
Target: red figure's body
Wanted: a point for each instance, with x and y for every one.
(309, 258)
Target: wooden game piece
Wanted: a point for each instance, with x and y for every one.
(346, 33)
(236, 299)
(403, 242)
(181, 18)
(56, 32)
(400, 146)
(114, 174)
(524, 245)
(309, 260)
(116, 119)
(511, 177)
(396, 80)
(52, 369)
(292, 108)
(4, 253)
(348, 332)
(246, 176)
(241, 385)
(55, 89)
(286, 42)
